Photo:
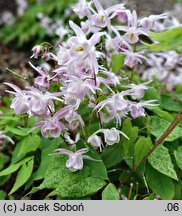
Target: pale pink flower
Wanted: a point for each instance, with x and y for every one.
(42, 81)
(95, 141)
(116, 106)
(132, 30)
(75, 160)
(20, 103)
(111, 136)
(148, 23)
(38, 51)
(133, 58)
(137, 109)
(51, 126)
(40, 101)
(138, 91)
(82, 8)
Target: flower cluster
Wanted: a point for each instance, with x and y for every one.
(166, 67)
(8, 17)
(52, 26)
(85, 78)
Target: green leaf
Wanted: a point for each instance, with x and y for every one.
(152, 94)
(151, 197)
(112, 155)
(16, 131)
(128, 145)
(23, 175)
(160, 184)
(97, 168)
(45, 161)
(178, 157)
(3, 159)
(167, 40)
(4, 179)
(110, 193)
(169, 104)
(2, 195)
(157, 126)
(161, 113)
(132, 133)
(29, 144)
(14, 167)
(161, 161)
(69, 184)
(117, 62)
(142, 147)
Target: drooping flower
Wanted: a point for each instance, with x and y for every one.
(111, 136)
(51, 126)
(40, 101)
(116, 106)
(38, 51)
(75, 160)
(138, 91)
(133, 58)
(76, 90)
(20, 103)
(82, 8)
(95, 141)
(148, 23)
(74, 120)
(137, 109)
(42, 81)
(132, 31)
(101, 18)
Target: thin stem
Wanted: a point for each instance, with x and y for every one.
(97, 96)
(132, 74)
(158, 142)
(137, 185)
(130, 191)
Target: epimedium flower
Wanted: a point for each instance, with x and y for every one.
(111, 136)
(82, 8)
(39, 101)
(137, 109)
(148, 23)
(42, 81)
(116, 44)
(38, 51)
(111, 80)
(132, 31)
(123, 15)
(74, 120)
(95, 141)
(101, 18)
(138, 91)
(51, 126)
(76, 90)
(20, 103)
(75, 160)
(80, 49)
(70, 140)
(133, 58)
(116, 106)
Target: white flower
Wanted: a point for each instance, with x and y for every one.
(111, 136)
(95, 141)
(75, 160)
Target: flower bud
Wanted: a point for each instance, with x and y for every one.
(38, 51)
